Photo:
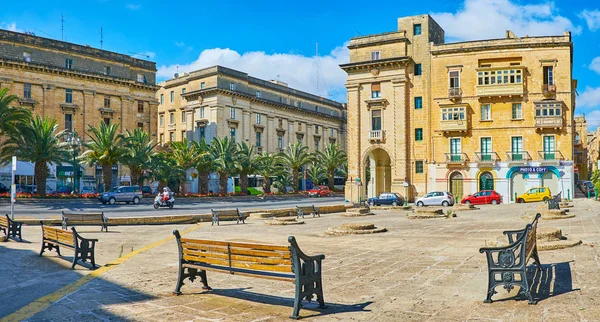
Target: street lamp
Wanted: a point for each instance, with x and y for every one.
(74, 142)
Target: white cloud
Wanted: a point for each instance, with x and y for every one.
(11, 26)
(180, 44)
(133, 6)
(484, 19)
(592, 19)
(298, 71)
(595, 65)
(589, 98)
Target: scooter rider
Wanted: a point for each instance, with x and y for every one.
(166, 194)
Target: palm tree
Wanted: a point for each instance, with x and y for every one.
(9, 115)
(204, 164)
(331, 158)
(139, 150)
(105, 149)
(246, 163)
(316, 174)
(185, 157)
(223, 151)
(282, 181)
(269, 166)
(295, 157)
(164, 170)
(37, 141)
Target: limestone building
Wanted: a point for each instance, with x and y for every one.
(580, 149)
(78, 86)
(461, 117)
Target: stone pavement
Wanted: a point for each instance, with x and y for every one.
(420, 270)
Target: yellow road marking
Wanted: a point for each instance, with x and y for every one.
(43, 302)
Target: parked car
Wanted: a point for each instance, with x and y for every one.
(436, 198)
(483, 197)
(4, 189)
(579, 183)
(147, 191)
(588, 186)
(386, 198)
(64, 190)
(124, 194)
(535, 194)
(88, 189)
(319, 191)
(26, 188)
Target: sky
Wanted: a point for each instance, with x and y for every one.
(281, 39)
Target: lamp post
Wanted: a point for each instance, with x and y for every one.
(74, 142)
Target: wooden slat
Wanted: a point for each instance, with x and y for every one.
(226, 212)
(254, 259)
(3, 222)
(260, 246)
(238, 251)
(206, 260)
(272, 268)
(203, 242)
(277, 278)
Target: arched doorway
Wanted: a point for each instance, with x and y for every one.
(380, 172)
(486, 181)
(456, 185)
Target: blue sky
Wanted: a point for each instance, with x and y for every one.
(277, 39)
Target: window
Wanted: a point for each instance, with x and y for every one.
(232, 133)
(258, 94)
(300, 137)
(316, 129)
(517, 111)
(172, 96)
(69, 122)
(202, 85)
(202, 133)
(69, 63)
(299, 104)
(486, 149)
(141, 78)
(27, 91)
(317, 143)
(183, 90)
(516, 148)
(454, 79)
(232, 86)
(418, 166)
(280, 123)
(258, 118)
(107, 71)
(183, 135)
(161, 120)
(548, 110)
(27, 57)
(280, 142)
(107, 101)
(455, 149)
(376, 120)
(107, 121)
(162, 98)
(232, 113)
(418, 134)
(453, 114)
(140, 125)
(202, 112)
(140, 107)
(171, 118)
(183, 117)
(418, 102)
(172, 136)
(486, 112)
(548, 75)
(375, 90)
(332, 132)
(258, 138)
(316, 108)
(299, 127)
(69, 95)
(499, 77)
(418, 70)
(549, 148)
(375, 55)
(417, 29)
(162, 138)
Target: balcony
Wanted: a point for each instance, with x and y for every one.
(550, 156)
(500, 90)
(549, 90)
(456, 158)
(454, 126)
(171, 127)
(455, 93)
(487, 157)
(504, 81)
(522, 156)
(548, 122)
(377, 136)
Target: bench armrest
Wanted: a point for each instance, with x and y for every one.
(514, 235)
(294, 244)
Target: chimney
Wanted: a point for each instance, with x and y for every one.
(510, 35)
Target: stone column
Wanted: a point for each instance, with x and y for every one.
(125, 113)
(153, 119)
(270, 135)
(245, 126)
(48, 104)
(400, 155)
(87, 111)
(352, 191)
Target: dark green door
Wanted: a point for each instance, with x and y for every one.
(486, 181)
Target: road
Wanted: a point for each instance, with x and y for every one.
(53, 209)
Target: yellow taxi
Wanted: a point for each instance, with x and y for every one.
(535, 194)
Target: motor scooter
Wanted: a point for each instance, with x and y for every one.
(159, 202)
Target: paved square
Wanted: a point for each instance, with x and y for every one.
(420, 270)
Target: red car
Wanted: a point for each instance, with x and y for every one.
(319, 191)
(483, 197)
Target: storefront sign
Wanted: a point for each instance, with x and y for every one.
(64, 171)
(114, 167)
(532, 169)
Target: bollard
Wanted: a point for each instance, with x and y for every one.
(455, 200)
(569, 194)
(588, 193)
(515, 197)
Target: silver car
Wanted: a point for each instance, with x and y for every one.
(436, 198)
(125, 194)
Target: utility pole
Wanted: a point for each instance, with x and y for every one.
(13, 188)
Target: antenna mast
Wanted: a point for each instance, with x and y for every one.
(101, 36)
(317, 50)
(62, 28)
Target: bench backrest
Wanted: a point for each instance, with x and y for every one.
(229, 212)
(531, 239)
(307, 208)
(256, 257)
(4, 221)
(58, 235)
(83, 217)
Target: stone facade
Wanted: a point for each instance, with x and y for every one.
(79, 86)
(580, 149)
(473, 117)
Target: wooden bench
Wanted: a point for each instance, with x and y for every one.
(314, 211)
(10, 227)
(554, 203)
(283, 263)
(232, 214)
(506, 263)
(84, 219)
(55, 238)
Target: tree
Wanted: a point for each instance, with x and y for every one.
(139, 150)
(105, 149)
(223, 151)
(269, 166)
(10, 116)
(165, 170)
(331, 158)
(204, 164)
(316, 174)
(185, 156)
(246, 163)
(37, 141)
(295, 157)
(282, 181)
